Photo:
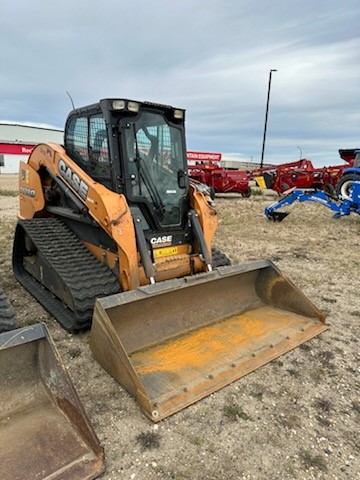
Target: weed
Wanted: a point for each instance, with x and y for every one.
(317, 373)
(233, 412)
(290, 421)
(305, 347)
(313, 461)
(257, 395)
(199, 442)
(293, 372)
(74, 352)
(355, 313)
(148, 440)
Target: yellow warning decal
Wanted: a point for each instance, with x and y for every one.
(165, 252)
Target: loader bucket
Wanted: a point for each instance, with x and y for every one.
(175, 342)
(44, 431)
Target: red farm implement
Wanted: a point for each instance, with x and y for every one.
(204, 167)
(302, 174)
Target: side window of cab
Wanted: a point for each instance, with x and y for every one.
(98, 145)
(87, 144)
(76, 142)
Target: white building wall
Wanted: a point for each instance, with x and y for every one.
(12, 163)
(17, 134)
(13, 133)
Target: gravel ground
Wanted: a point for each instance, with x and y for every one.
(295, 418)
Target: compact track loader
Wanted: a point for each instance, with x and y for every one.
(111, 217)
(44, 431)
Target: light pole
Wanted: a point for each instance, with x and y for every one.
(266, 117)
(300, 152)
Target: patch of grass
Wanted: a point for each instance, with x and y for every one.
(181, 476)
(323, 405)
(301, 255)
(352, 438)
(257, 192)
(277, 363)
(305, 347)
(233, 412)
(148, 440)
(31, 321)
(356, 406)
(312, 461)
(329, 300)
(324, 422)
(199, 441)
(257, 395)
(325, 356)
(9, 193)
(9, 282)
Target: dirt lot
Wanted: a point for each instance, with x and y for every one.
(295, 418)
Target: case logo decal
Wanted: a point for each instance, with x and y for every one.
(73, 179)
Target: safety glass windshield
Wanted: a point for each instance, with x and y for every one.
(155, 160)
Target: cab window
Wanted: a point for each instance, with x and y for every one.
(87, 145)
(77, 141)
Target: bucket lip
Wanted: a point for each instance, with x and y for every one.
(23, 335)
(181, 283)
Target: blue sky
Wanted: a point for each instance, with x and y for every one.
(210, 57)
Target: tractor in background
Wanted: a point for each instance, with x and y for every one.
(348, 200)
(350, 174)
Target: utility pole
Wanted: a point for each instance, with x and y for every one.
(266, 117)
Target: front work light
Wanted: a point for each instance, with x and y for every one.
(179, 114)
(118, 104)
(133, 107)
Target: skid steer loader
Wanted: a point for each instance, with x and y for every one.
(111, 219)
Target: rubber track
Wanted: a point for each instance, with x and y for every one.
(83, 276)
(7, 314)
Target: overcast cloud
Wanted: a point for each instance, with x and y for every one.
(210, 57)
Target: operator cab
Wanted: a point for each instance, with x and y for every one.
(138, 149)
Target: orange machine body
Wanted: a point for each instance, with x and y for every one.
(110, 211)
